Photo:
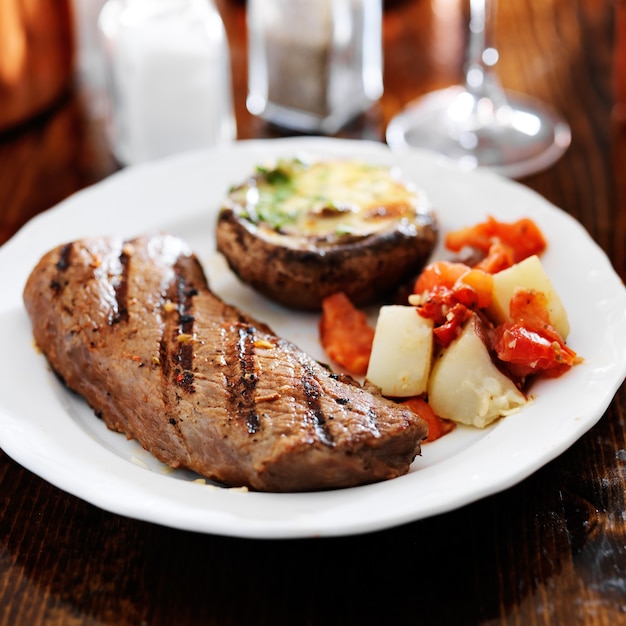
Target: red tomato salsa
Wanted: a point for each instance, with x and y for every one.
(449, 293)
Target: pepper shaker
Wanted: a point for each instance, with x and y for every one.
(314, 65)
(168, 69)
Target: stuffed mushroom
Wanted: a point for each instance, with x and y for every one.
(300, 231)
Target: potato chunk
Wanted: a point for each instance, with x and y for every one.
(466, 386)
(401, 352)
(528, 274)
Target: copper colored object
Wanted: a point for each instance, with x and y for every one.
(36, 57)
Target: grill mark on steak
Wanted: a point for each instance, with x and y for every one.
(373, 418)
(63, 262)
(312, 392)
(183, 356)
(176, 342)
(164, 361)
(241, 377)
(119, 310)
(65, 256)
(247, 383)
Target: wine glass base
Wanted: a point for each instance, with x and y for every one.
(520, 137)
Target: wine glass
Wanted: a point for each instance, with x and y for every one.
(479, 124)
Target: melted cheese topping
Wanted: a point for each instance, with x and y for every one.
(327, 199)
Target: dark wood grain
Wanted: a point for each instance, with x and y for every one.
(550, 550)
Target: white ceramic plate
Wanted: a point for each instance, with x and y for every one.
(52, 432)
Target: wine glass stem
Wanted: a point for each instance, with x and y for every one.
(482, 55)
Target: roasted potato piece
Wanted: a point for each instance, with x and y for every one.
(466, 386)
(527, 274)
(299, 232)
(401, 352)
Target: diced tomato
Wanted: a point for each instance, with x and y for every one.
(499, 257)
(478, 236)
(435, 304)
(437, 426)
(345, 333)
(523, 236)
(450, 329)
(449, 292)
(528, 352)
(481, 285)
(472, 287)
(439, 274)
(529, 344)
(447, 314)
(531, 307)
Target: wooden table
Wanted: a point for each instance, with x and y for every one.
(551, 550)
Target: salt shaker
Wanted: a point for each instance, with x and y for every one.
(314, 65)
(168, 67)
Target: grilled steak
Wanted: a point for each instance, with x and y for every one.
(134, 328)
